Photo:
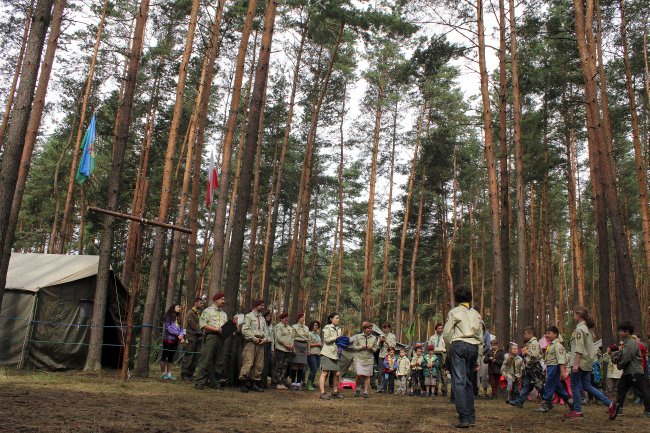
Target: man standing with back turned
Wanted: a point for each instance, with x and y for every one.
(462, 333)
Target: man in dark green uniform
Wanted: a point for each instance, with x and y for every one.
(212, 360)
(193, 341)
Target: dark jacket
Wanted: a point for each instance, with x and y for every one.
(630, 361)
(494, 360)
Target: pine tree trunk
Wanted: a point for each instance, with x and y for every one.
(240, 146)
(294, 267)
(252, 245)
(501, 295)
(629, 303)
(642, 177)
(93, 360)
(160, 234)
(325, 305)
(525, 316)
(14, 82)
(274, 194)
(250, 149)
(503, 151)
(407, 211)
(67, 209)
(32, 132)
(368, 256)
(449, 244)
(55, 186)
(414, 257)
(19, 122)
(339, 273)
(224, 179)
(201, 110)
(384, 277)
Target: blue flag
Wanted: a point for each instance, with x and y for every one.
(87, 165)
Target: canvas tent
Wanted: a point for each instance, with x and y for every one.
(47, 309)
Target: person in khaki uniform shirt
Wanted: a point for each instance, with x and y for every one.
(365, 345)
(329, 357)
(403, 371)
(533, 370)
(463, 339)
(193, 341)
(300, 352)
(283, 336)
(212, 362)
(555, 371)
(512, 369)
(254, 332)
(440, 350)
(613, 372)
(386, 341)
(583, 355)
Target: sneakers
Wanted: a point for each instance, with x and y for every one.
(612, 411)
(164, 376)
(569, 403)
(170, 377)
(310, 387)
(357, 393)
(573, 415)
(515, 404)
(337, 395)
(199, 387)
(256, 388)
(365, 395)
(324, 396)
(280, 386)
(463, 424)
(545, 407)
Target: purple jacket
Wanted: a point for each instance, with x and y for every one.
(172, 332)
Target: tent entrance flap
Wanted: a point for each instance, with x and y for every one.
(15, 317)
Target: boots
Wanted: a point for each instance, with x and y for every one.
(256, 387)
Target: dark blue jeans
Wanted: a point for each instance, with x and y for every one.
(463, 361)
(584, 377)
(554, 384)
(314, 365)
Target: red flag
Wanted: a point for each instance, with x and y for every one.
(213, 181)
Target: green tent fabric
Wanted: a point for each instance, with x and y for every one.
(47, 310)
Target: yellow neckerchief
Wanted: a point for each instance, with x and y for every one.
(195, 310)
(465, 304)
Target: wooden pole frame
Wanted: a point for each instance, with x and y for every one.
(139, 219)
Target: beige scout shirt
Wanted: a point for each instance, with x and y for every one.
(254, 327)
(403, 366)
(613, 372)
(391, 341)
(416, 362)
(213, 316)
(283, 335)
(300, 332)
(362, 342)
(314, 338)
(463, 324)
(555, 354)
(582, 342)
(330, 334)
(533, 351)
(438, 343)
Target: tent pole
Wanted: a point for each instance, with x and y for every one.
(28, 334)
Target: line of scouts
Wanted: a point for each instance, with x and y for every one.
(299, 345)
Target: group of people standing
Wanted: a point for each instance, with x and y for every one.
(459, 348)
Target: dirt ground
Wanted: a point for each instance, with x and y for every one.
(77, 402)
